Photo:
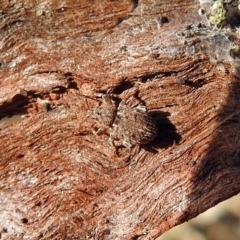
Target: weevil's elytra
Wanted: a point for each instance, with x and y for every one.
(131, 125)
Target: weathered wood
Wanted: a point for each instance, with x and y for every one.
(60, 181)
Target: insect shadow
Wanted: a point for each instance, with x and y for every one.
(167, 133)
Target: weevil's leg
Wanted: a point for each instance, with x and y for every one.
(111, 139)
(98, 131)
(99, 94)
(127, 144)
(141, 108)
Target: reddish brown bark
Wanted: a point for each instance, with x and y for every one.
(58, 180)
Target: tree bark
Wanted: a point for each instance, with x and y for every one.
(60, 181)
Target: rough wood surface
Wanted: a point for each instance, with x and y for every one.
(60, 181)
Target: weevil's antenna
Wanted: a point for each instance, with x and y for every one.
(83, 120)
(86, 97)
(87, 114)
(87, 103)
